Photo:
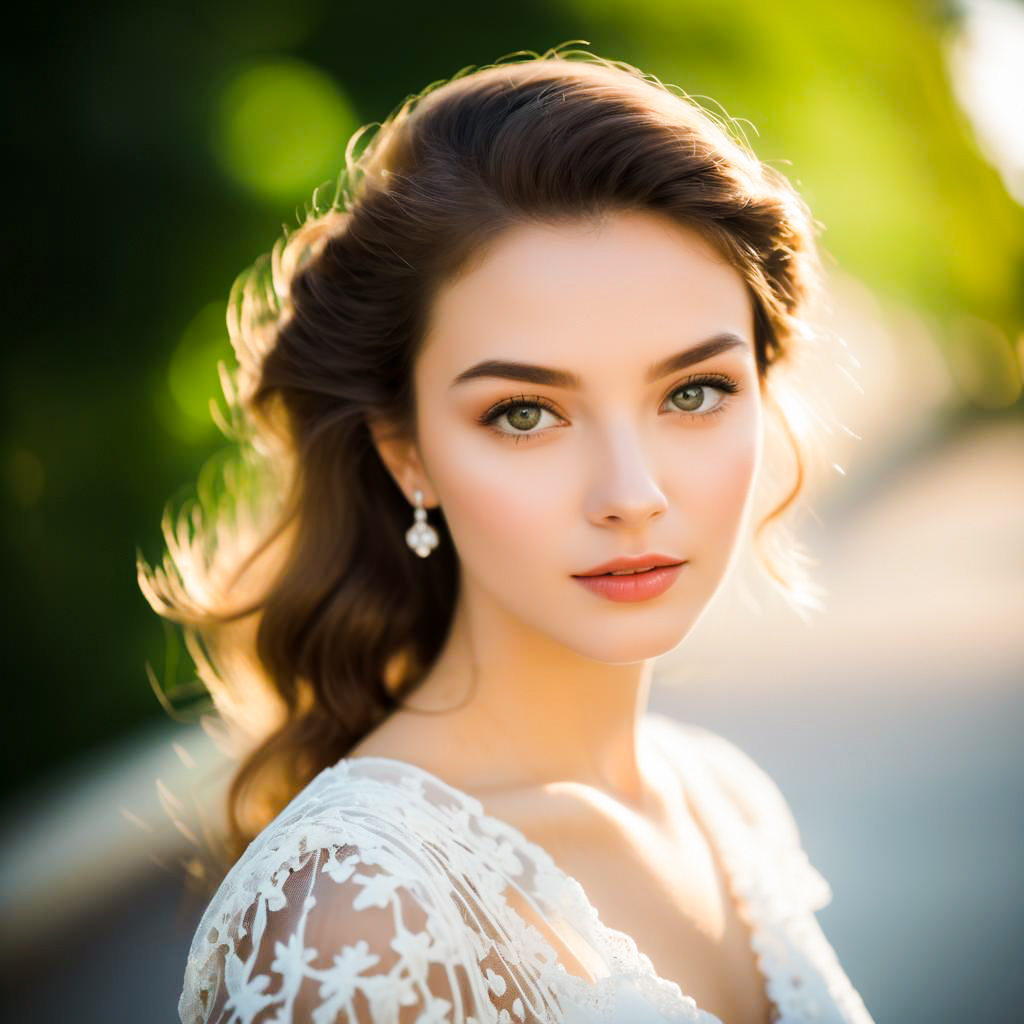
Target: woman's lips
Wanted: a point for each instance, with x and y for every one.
(640, 586)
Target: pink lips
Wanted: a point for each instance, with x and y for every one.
(641, 586)
(632, 562)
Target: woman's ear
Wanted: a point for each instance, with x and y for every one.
(401, 456)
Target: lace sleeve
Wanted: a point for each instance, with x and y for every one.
(342, 936)
(358, 904)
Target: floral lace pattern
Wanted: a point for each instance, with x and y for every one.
(381, 893)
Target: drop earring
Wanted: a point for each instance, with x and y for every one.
(421, 536)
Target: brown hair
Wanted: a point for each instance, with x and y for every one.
(307, 616)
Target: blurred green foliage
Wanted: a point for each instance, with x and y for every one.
(279, 126)
(158, 148)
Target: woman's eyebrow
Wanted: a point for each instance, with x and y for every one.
(550, 377)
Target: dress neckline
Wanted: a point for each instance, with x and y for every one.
(618, 945)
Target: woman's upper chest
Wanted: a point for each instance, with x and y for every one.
(659, 882)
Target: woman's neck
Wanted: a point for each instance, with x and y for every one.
(512, 710)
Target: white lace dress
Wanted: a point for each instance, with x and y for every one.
(382, 894)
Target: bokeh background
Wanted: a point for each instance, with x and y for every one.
(157, 149)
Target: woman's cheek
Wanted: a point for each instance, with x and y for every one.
(721, 476)
(492, 500)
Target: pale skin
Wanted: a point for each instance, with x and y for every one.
(543, 683)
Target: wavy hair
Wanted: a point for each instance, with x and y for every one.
(306, 617)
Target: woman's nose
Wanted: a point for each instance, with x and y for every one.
(625, 487)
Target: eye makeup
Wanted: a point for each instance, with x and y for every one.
(720, 382)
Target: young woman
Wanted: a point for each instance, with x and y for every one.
(503, 404)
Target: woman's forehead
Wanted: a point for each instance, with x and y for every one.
(550, 292)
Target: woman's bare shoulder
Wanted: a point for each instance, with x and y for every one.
(754, 792)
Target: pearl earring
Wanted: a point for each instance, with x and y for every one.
(421, 536)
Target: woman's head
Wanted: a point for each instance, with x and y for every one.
(571, 214)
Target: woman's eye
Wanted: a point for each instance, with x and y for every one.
(522, 416)
(698, 398)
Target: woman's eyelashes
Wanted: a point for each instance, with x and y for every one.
(696, 398)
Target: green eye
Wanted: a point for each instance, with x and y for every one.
(694, 396)
(524, 416)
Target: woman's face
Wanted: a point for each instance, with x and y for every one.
(596, 447)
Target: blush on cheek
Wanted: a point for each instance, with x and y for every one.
(720, 481)
(492, 512)
(505, 490)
